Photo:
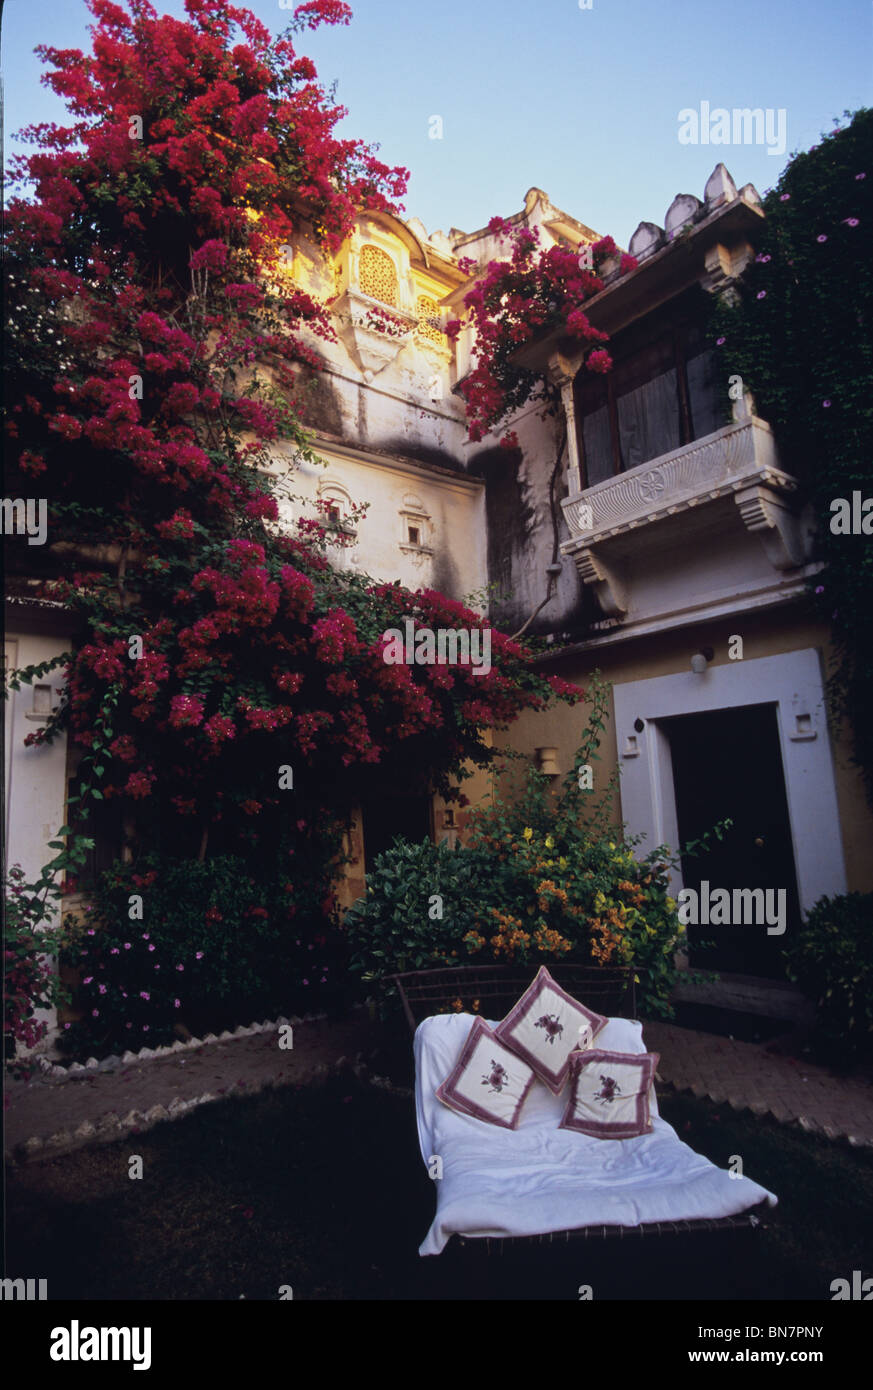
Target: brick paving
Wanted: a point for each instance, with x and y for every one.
(49, 1115)
(749, 1076)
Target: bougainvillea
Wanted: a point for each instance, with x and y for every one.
(154, 347)
(516, 300)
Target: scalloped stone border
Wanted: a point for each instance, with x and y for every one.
(760, 1108)
(112, 1127)
(147, 1054)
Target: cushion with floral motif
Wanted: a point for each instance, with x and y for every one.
(488, 1082)
(545, 1026)
(610, 1094)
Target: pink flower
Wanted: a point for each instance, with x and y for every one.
(102, 989)
(198, 955)
(851, 221)
(95, 1013)
(180, 967)
(127, 945)
(826, 404)
(114, 951)
(762, 294)
(860, 176)
(177, 1003)
(821, 238)
(784, 197)
(151, 948)
(87, 980)
(144, 994)
(145, 936)
(186, 710)
(719, 341)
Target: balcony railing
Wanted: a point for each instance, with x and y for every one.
(739, 461)
(738, 456)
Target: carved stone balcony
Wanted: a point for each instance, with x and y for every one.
(736, 467)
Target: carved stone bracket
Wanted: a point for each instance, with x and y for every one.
(372, 342)
(768, 516)
(607, 588)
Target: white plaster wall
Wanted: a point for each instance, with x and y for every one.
(35, 777)
(35, 783)
(450, 514)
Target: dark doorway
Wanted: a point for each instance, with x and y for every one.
(728, 764)
(386, 817)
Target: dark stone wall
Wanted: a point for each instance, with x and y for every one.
(520, 542)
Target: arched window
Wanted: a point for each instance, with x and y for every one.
(377, 276)
(429, 319)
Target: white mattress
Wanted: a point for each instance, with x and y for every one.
(538, 1178)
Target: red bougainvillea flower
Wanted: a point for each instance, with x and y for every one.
(512, 302)
(213, 650)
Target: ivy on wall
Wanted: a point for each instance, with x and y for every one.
(800, 335)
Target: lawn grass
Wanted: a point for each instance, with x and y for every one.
(323, 1190)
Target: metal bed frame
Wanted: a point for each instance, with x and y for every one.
(494, 989)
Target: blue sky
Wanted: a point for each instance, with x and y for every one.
(583, 103)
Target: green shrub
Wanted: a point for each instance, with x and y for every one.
(832, 961)
(30, 942)
(203, 944)
(420, 900)
(544, 878)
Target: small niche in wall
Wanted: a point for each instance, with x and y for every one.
(415, 533)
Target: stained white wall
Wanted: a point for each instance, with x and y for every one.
(35, 777)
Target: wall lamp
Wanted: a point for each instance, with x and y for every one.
(701, 660)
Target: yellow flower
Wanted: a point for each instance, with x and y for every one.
(671, 903)
(562, 863)
(549, 842)
(527, 833)
(611, 845)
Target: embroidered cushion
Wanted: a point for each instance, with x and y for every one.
(610, 1094)
(488, 1082)
(545, 1026)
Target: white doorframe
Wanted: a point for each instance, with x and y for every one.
(793, 683)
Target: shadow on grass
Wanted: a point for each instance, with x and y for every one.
(323, 1189)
